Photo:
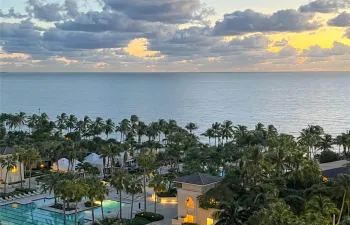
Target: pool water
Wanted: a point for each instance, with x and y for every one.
(30, 214)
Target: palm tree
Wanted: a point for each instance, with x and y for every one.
(124, 128)
(21, 152)
(71, 122)
(325, 143)
(343, 187)
(140, 130)
(31, 156)
(338, 141)
(109, 127)
(216, 128)
(9, 162)
(51, 183)
(146, 159)
(101, 192)
(191, 127)
(111, 151)
(209, 133)
(322, 205)
(134, 187)
(32, 122)
(95, 189)
(77, 189)
(228, 214)
(157, 182)
(61, 122)
(120, 180)
(227, 130)
(21, 119)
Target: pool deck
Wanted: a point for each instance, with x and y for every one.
(168, 210)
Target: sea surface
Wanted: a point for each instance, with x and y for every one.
(290, 101)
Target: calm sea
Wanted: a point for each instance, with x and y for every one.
(290, 101)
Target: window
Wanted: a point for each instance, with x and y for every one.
(210, 221)
(189, 203)
(189, 219)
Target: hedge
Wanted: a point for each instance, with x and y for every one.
(150, 216)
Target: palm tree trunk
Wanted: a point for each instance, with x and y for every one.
(144, 191)
(342, 208)
(132, 205)
(64, 212)
(5, 186)
(120, 205)
(20, 173)
(75, 214)
(103, 216)
(155, 202)
(30, 174)
(92, 209)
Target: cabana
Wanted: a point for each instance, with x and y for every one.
(64, 165)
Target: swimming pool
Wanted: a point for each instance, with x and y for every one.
(30, 214)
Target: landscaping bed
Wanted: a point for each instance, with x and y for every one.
(149, 216)
(60, 207)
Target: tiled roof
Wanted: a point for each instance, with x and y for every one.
(332, 173)
(198, 179)
(7, 150)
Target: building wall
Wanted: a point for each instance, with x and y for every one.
(193, 191)
(13, 175)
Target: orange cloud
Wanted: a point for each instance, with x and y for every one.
(67, 61)
(301, 60)
(13, 55)
(99, 64)
(139, 48)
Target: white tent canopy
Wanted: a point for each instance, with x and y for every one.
(96, 160)
(64, 165)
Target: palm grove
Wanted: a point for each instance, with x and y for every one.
(270, 177)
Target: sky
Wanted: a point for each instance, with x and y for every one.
(174, 35)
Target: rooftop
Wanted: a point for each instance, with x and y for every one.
(7, 150)
(199, 179)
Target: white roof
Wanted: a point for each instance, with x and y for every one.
(63, 164)
(94, 159)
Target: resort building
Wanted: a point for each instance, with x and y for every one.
(14, 175)
(189, 188)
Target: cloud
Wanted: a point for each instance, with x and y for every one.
(342, 20)
(94, 21)
(165, 11)
(66, 61)
(12, 14)
(48, 12)
(71, 8)
(281, 43)
(324, 6)
(249, 21)
(319, 52)
(347, 33)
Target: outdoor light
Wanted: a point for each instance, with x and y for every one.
(42, 166)
(14, 169)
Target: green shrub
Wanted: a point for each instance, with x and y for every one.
(150, 216)
(60, 206)
(88, 204)
(25, 190)
(166, 194)
(328, 156)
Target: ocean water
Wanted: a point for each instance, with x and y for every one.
(290, 101)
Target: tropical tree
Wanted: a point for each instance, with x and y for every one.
(71, 122)
(343, 188)
(157, 182)
(322, 205)
(78, 189)
(325, 143)
(96, 190)
(51, 183)
(229, 214)
(120, 181)
(31, 157)
(109, 127)
(9, 163)
(191, 127)
(134, 187)
(146, 159)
